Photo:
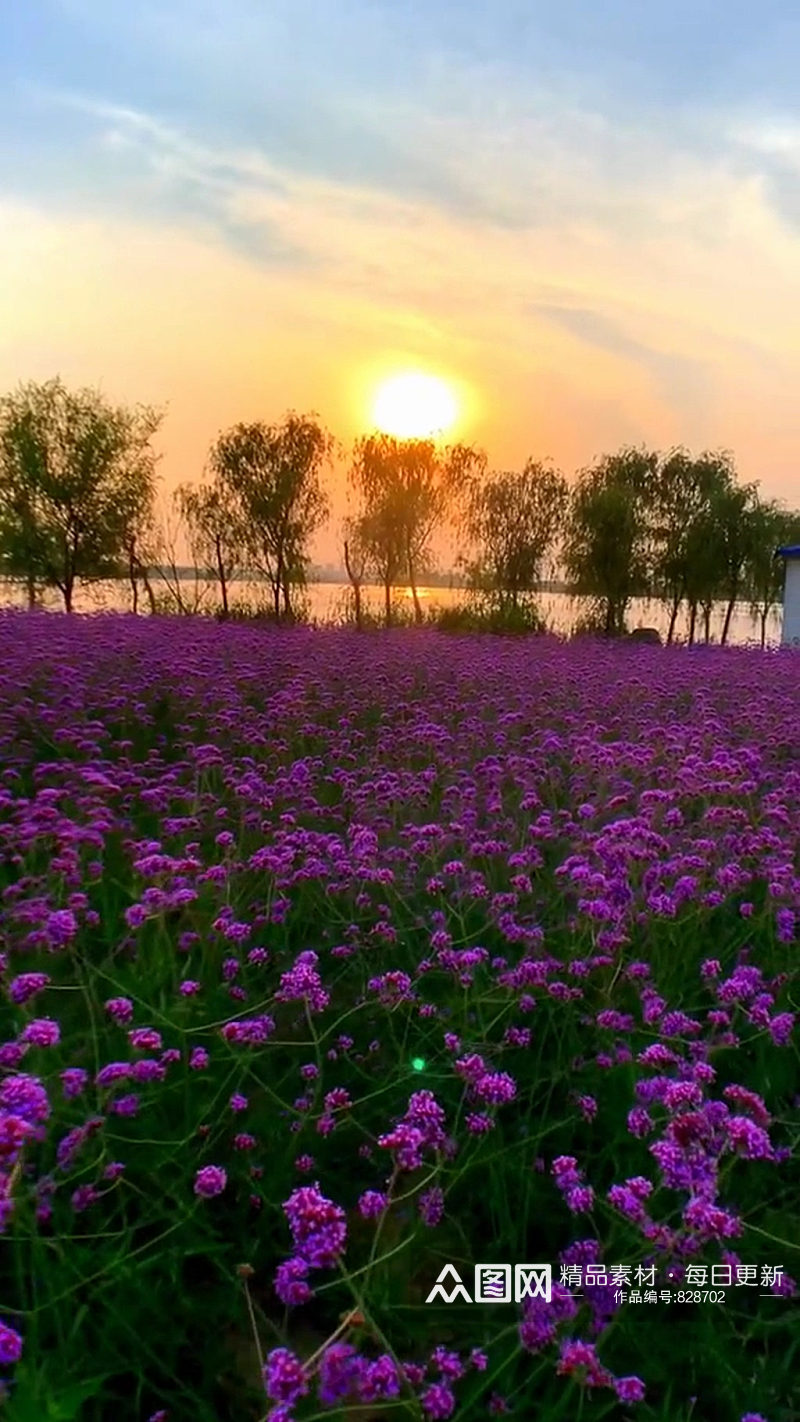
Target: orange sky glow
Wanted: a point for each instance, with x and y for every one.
(577, 277)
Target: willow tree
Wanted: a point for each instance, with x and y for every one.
(513, 521)
(773, 527)
(405, 489)
(608, 544)
(214, 521)
(77, 476)
(685, 493)
(273, 476)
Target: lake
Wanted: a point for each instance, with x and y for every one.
(327, 602)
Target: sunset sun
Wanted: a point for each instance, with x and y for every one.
(414, 406)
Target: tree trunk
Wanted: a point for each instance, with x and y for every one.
(134, 582)
(223, 586)
(151, 597)
(412, 582)
(692, 621)
(387, 601)
(764, 616)
(676, 603)
(707, 622)
(355, 584)
(67, 591)
(726, 624)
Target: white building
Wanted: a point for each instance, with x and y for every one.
(790, 636)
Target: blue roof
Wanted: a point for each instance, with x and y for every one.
(792, 551)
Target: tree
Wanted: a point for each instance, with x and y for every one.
(214, 522)
(513, 521)
(774, 527)
(377, 534)
(607, 553)
(703, 564)
(405, 488)
(736, 512)
(77, 475)
(272, 475)
(141, 548)
(184, 591)
(683, 495)
(356, 564)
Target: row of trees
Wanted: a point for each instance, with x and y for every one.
(79, 501)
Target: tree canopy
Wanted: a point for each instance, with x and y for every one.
(272, 497)
(77, 476)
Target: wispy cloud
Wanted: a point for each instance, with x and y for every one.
(684, 381)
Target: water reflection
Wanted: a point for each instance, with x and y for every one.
(332, 602)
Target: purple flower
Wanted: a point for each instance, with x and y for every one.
(340, 1368)
(495, 1087)
(372, 1204)
(73, 1081)
(750, 1140)
(62, 927)
(317, 1224)
(431, 1206)
(630, 1389)
(42, 1032)
(284, 1376)
(10, 1345)
(26, 1096)
(438, 1401)
(781, 1028)
(303, 982)
(83, 1197)
(125, 1105)
(113, 1071)
(145, 1039)
(121, 1009)
(26, 986)
(290, 1282)
(210, 1181)
(379, 1380)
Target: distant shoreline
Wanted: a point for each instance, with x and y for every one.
(334, 576)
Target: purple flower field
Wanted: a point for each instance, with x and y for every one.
(330, 960)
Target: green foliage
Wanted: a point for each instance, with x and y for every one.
(270, 498)
(764, 572)
(405, 488)
(686, 561)
(514, 521)
(217, 533)
(607, 547)
(506, 618)
(77, 478)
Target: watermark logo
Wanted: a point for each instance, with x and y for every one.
(632, 1283)
(457, 1292)
(495, 1283)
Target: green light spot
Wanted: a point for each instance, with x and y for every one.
(418, 1063)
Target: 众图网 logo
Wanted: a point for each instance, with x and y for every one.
(494, 1283)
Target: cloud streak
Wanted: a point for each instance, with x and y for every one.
(297, 197)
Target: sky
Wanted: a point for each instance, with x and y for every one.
(584, 218)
